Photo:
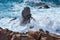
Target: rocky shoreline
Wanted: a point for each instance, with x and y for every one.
(6, 34)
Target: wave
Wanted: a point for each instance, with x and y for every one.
(5, 1)
(47, 19)
(51, 1)
(42, 2)
(21, 1)
(9, 3)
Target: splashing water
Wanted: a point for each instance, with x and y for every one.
(46, 19)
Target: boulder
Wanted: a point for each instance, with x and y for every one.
(4, 36)
(26, 15)
(46, 6)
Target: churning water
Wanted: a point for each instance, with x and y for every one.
(46, 19)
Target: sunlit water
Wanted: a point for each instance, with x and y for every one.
(46, 19)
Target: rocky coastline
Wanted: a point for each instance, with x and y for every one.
(6, 34)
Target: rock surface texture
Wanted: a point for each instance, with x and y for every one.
(6, 34)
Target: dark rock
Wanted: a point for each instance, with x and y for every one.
(47, 32)
(4, 36)
(13, 19)
(31, 27)
(26, 15)
(34, 34)
(46, 6)
(40, 7)
(41, 30)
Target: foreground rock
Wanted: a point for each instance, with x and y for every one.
(6, 34)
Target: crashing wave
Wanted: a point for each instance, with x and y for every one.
(5, 1)
(42, 2)
(11, 10)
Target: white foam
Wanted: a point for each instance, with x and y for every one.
(47, 19)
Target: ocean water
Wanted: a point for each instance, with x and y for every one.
(46, 19)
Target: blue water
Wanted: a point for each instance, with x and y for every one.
(5, 1)
(46, 19)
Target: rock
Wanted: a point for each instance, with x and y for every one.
(34, 34)
(40, 7)
(26, 15)
(46, 6)
(6, 34)
(13, 19)
(15, 37)
(31, 27)
(26, 38)
(22, 37)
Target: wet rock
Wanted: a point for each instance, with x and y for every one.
(49, 37)
(40, 7)
(0, 29)
(34, 34)
(41, 30)
(31, 27)
(13, 19)
(26, 15)
(6, 34)
(26, 38)
(57, 38)
(46, 6)
(15, 37)
(6, 31)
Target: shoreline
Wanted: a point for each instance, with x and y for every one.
(30, 35)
